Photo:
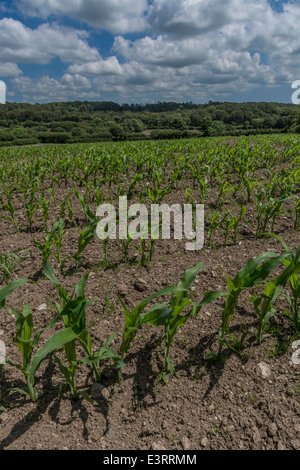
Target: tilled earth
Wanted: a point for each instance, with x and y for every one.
(211, 406)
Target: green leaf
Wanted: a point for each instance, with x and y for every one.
(19, 390)
(55, 342)
(48, 271)
(260, 273)
(186, 282)
(251, 266)
(210, 297)
(7, 290)
(156, 316)
(88, 398)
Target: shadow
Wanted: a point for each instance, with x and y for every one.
(48, 399)
(202, 363)
(144, 379)
(37, 275)
(22, 426)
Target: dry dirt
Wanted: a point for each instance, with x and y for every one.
(212, 406)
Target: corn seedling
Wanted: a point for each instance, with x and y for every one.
(264, 304)
(72, 312)
(167, 314)
(44, 207)
(46, 247)
(31, 204)
(293, 264)
(224, 189)
(85, 237)
(7, 290)
(133, 318)
(11, 209)
(8, 264)
(59, 231)
(26, 344)
(170, 314)
(216, 220)
(256, 270)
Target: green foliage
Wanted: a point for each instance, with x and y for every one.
(255, 271)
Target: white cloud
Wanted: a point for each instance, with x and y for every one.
(190, 49)
(47, 88)
(109, 66)
(9, 69)
(162, 51)
(21, 44)
(117, 16)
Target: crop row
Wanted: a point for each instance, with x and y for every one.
(169, 314)
(246, 187)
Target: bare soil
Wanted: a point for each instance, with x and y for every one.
(212, 406)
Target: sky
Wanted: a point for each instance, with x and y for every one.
(141, 51)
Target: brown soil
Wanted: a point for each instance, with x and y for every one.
(212, 406)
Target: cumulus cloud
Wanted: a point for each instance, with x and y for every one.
(117, 16)
(47, 88)
(22, 44)
(9, 69)
(162, 51)
(186, 49)
(109, 66)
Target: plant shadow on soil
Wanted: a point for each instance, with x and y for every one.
(51, 402)
(145, 381)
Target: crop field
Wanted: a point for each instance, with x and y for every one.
(139, 343)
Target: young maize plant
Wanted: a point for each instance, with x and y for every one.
(297, 213)
(268, 209)
(85, 237)
(204, 188)
(256, 270)
(292, 262)
(31, 203)
(73, 313)
(8, 290)
(249, 186)
(59, 232)
(8, 263)
(264, 304)
(44, 206)
(293, 300)
(26, 344)
(217, 220)
(133, 318)
(23, 336)
(89, 232)
(168, 314)
(233, 222)
(9, 207)
(225, 188)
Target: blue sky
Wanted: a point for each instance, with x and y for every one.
(147, 51)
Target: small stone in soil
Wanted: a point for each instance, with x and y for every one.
(272, 430)
(98, 392)
(204, 442)
(263, 370)
(157, 446)
(185, 443)
(42, 307)
(140, 285)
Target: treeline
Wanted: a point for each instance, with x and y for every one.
(83, 121)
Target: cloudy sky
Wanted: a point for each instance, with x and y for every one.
(139, 51)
